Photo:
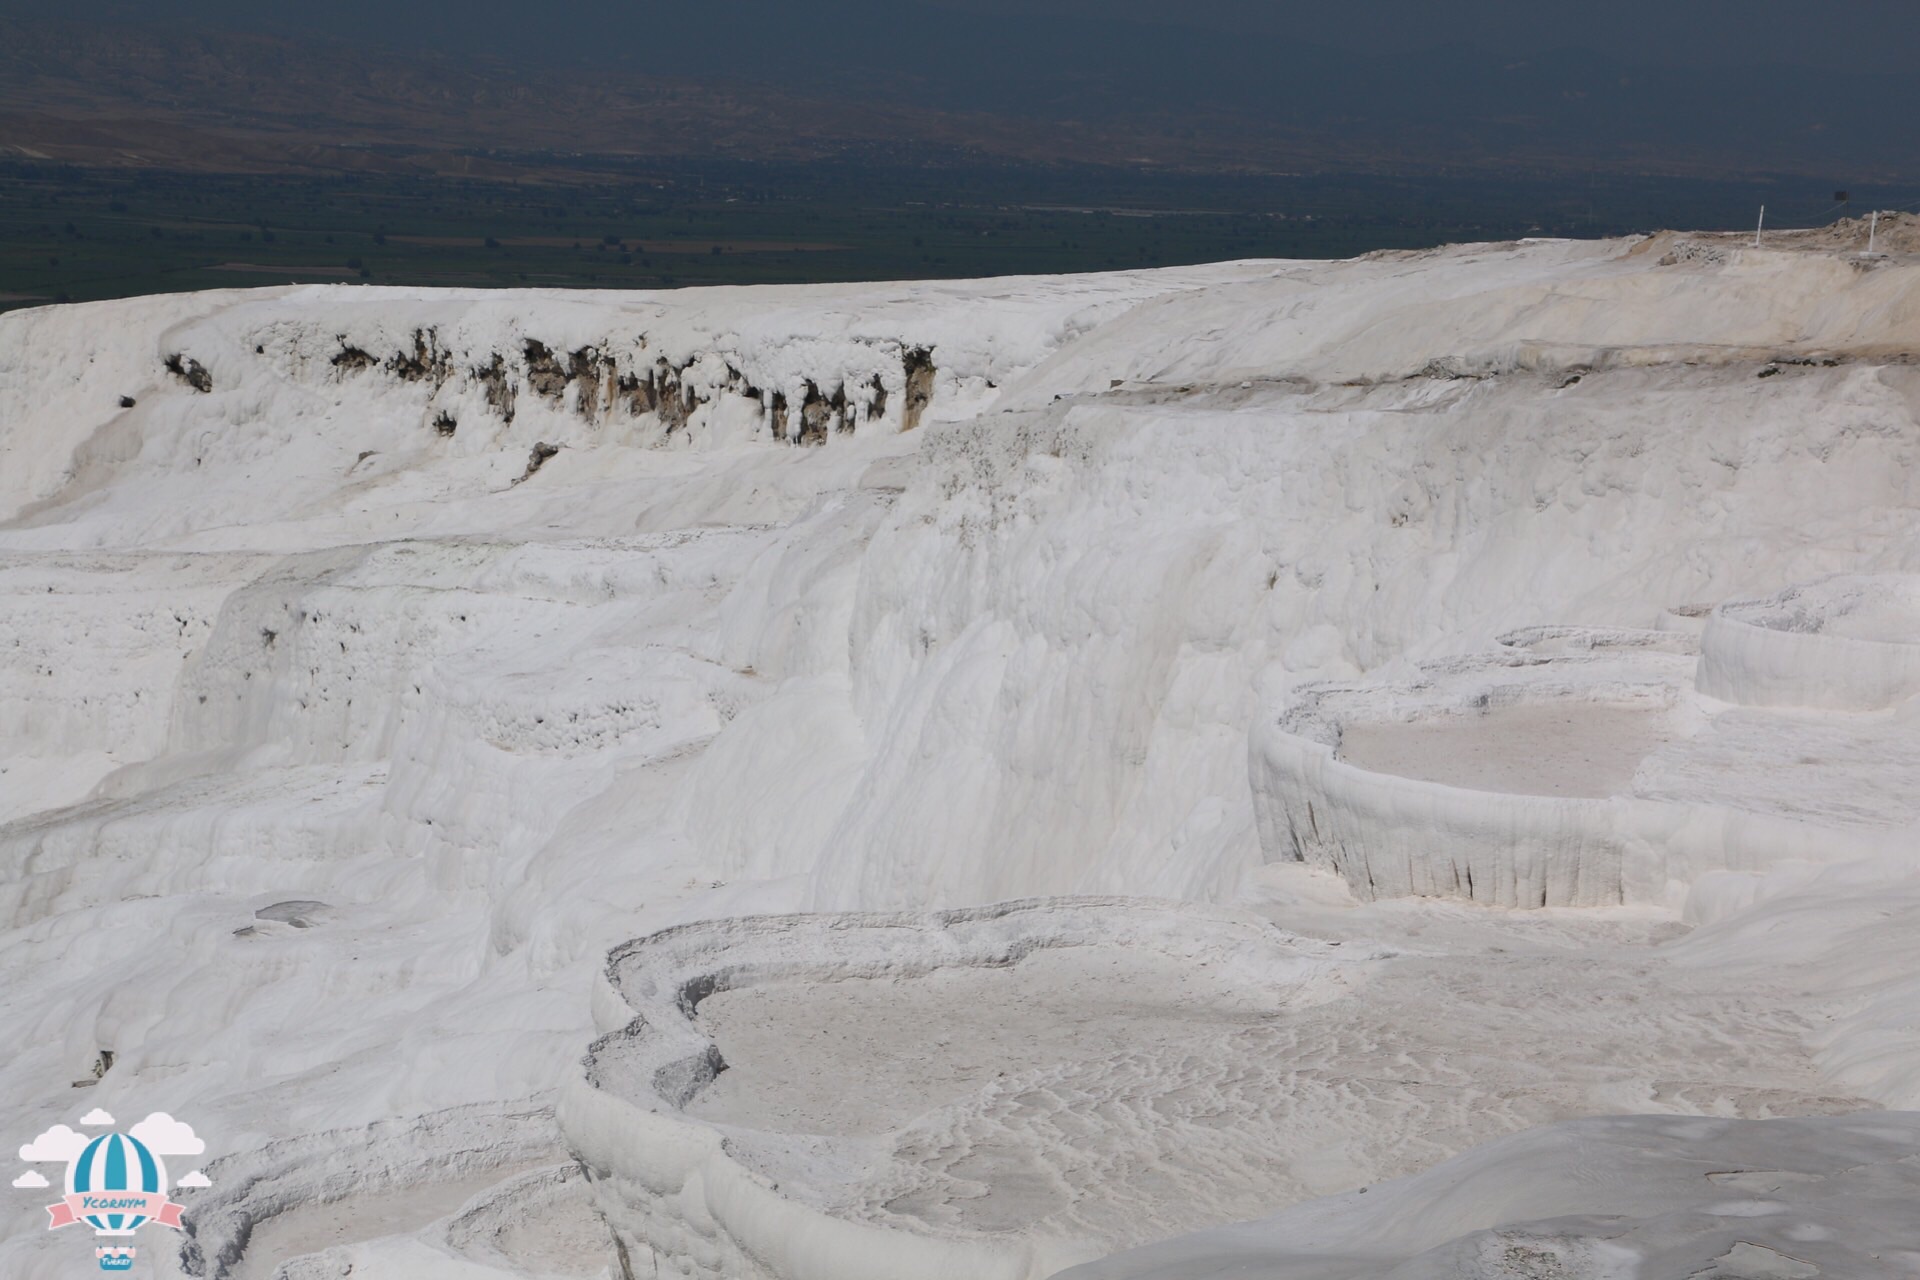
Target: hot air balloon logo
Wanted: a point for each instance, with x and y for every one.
(117, 1182)
(115, 1187)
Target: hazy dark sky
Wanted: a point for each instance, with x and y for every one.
(1754, 85)
(1881, 34)
(1871, 35)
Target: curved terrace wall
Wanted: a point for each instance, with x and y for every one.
(1390, 835)
(1808, 647)
(667, 1181)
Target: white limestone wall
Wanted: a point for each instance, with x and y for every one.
(667, 1180)
(1849, 643)
(1391, 836)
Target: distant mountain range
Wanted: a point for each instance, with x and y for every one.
(940, 87)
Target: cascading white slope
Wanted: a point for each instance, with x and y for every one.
(514, 626)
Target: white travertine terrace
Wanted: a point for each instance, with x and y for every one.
(1574, 768)
(1846, 643)
(398, 655)
(1593, 1199)
(733, 1204)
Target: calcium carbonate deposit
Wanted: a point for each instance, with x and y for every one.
(1404, 767)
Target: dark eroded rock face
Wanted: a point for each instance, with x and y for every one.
(352, 359)
(820, 414)
(427, 362)
(920, 370)
(602, 387)
(594, 382)
(545, 374)
(190, 371)
(499, 385)
(538, 458)
(663, 391)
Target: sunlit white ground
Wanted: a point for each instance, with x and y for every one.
(754, 640)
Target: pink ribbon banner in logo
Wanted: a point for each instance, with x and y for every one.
(72, 1209)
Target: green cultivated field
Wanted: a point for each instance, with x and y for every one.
(77, 235)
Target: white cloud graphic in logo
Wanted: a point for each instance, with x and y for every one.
(166, 1136)
(195, 1179)
(58, 1143)
(96, 1117)
(31, 1178)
